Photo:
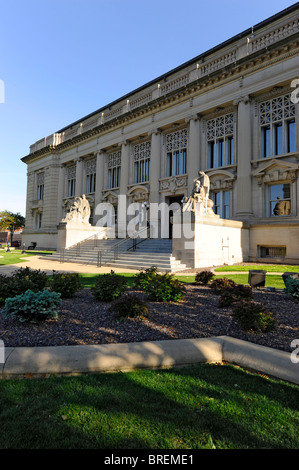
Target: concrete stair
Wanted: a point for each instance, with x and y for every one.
(118, 253)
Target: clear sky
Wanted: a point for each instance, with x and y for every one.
(63, 59)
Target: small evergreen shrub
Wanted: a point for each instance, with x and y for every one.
(292, 287)
(253, 316)
(109, 287)
(129, 306)
(219, 284)
(67, 284)
(163, 288)
(204, 277)
(142, 279)
(235, 293)
(33, 307)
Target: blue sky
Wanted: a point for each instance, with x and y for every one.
(63, 59)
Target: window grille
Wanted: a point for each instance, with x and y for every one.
(277, 122)
(220, 137)
(176, 148)
(114, 165)
(142, 158)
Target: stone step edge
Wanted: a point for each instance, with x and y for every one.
(73, 360)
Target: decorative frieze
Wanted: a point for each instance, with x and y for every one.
(173, 183)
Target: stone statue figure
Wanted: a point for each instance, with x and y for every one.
(199, 200)
(79, 211)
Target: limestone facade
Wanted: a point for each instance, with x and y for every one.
(231, 112)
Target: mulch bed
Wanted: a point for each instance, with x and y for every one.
(83, 320)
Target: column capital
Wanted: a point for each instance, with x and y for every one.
(154, 131)
(242, 99)
(193, 117)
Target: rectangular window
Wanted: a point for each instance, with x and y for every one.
(273, 251)
(114, 167)
(40, 192)
(90, 183)
(71, 185)
(220, 137)
(280, 199)
(90, 171)
(277, 121)
(176, 145)
(221, 203)
(266, 141)
(142, 162)
(291, 136)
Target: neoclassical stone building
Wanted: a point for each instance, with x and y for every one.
(231, 112)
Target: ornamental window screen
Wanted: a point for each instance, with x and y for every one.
(220, 137)
(142, 162)
(114, 165)
(71, 181)
(90, 171)
(278, 127)
(176, 149)
(40, 186)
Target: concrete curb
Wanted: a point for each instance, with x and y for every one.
(73, 360)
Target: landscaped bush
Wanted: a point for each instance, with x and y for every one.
(164, 288)
(33, 307)
(109, 287)
(129, 306)
(67, 284)
(292, 287)
(235, 293)
(37, 277)
(142, 279)
(253, 316)
(204, 277)
(219, 284)
(19, 282)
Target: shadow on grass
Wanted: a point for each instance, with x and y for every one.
(189, 408)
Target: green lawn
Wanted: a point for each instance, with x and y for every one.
(198, 407)
(16, 256)
(273, 280)
(12, 257)
(274, 268)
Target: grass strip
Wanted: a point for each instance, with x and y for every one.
(199, 407)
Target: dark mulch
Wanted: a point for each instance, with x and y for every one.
(83, 320)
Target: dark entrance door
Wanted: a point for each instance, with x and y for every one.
(172, 200)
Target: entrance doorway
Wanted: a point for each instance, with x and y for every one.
(175, 200)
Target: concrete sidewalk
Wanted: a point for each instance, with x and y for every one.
(72, 360)
(48, 265)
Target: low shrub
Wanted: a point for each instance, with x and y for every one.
(129, 306)
(67, 284)
(33, 307)
(109, 287)
(143, 278)
(164, 288)
(292, 287)
(219, 284)
(37, 277)
(253, 316)
(204, 277)
(20, 281)
(235, 293)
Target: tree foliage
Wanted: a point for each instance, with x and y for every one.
(12, 222)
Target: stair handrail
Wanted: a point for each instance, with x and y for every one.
(114, 250)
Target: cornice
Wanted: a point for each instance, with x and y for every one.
(252, 63)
